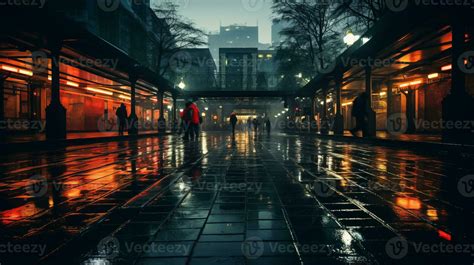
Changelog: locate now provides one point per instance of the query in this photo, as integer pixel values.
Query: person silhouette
(359, 112)
(233, 122)
(122, 118)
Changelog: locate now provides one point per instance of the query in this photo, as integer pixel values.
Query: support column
(389, 84)
(175, 121)
(313, 123)
(370, 130)
(161, 120)
(133, 118)
(339, 119)
(458, 106)
(2, 96)
(55, 112)
(324, 118)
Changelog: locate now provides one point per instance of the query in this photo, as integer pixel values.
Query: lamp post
(350, 38)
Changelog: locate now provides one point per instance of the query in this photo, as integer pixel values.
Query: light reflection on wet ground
(264, 200)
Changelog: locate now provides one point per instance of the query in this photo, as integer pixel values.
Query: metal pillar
(55, 112)
(370, 129)
(389, 84)
(458, 106)
(133, 118)
(339, 119)
(324, 118)
(2, 96)
(161, 120)
(175, 122)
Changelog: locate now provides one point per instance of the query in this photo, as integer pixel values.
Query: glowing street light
(350, 38)
(182, 85)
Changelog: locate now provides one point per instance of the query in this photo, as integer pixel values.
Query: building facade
(238, 69)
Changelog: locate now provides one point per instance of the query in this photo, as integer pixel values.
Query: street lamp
(182, 85)
(350, 38)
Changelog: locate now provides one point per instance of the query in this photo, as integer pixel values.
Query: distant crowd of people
(191, 119)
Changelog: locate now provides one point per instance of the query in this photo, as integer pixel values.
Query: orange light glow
(433, 75)
(100, 91)
(125, 97)
(447, 67)
(409, 203)
(417, 82)
(444, 235)
(9, 68)
(73, 193)
(70, 83)
(404, 85)
(17, 70)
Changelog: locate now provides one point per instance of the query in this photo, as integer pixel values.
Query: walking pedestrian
(233, 122)
(268, 126)
(255, 125)
(192, 120)
(122, 118)
(359, 112)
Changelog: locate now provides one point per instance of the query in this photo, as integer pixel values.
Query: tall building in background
(201, 74)
(234, 36)
(238, 68)
(267, 67)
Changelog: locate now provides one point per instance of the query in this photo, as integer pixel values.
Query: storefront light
(16, 70)
(433, 76)
(417, 82)
(125, 97)
(9, 68)
(447, 67)
(73, 84)
(100, 91)
(25, 72)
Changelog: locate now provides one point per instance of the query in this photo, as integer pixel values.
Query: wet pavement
(253, 200)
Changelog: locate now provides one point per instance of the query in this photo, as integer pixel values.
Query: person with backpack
(192, 120)
(122, 118)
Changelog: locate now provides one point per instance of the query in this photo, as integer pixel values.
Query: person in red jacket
(191, 121)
